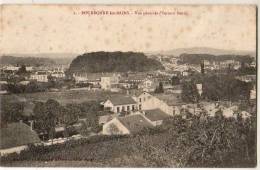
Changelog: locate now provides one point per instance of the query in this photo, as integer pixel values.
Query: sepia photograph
(140, 86)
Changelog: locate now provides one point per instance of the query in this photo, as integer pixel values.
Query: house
(177, 89)
(245, 115)
(29, 68)
(155, 116)
(229, 112)
(58, 74)
(25, 82)
(210, 108)
(247, 78)
(11, 68)
(148, 85)
(253, 64)
(130, 124)
(168, 103)
(253, 93)
(109, 82)
(40, 76)
(106, 118)
(16, 137)
(80, 77)
(119, 104)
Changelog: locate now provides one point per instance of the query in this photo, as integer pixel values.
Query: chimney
(31, 124)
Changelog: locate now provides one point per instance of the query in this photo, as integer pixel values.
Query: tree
(46, 116)
(22, 70)
(175, 80)
(159, 89)
(190, 93)
(11, 112)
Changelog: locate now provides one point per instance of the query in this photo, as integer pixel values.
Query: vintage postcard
(128, 86)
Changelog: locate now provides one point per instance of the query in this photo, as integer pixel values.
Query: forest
(113, 62)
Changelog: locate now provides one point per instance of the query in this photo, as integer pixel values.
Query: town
(46, 106)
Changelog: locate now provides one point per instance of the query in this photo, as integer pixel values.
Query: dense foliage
(194, 142)
(51, 114)
(225, 88)
(10, 112)
(113, 62)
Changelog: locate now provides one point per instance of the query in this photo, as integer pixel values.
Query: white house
(109, 82)
(148, 85)
(58, 74)
(126, 125)
(253, 93)
(40, 76)
(118, 104)
(80, 77)
(168, 103)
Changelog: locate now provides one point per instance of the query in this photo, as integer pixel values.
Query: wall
(114, 122)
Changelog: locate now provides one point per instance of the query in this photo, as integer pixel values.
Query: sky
(64, 29)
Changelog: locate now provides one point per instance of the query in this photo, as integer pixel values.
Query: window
(118, 109)
(133, 107)
(140, 107)
(123, 108)
(128, 108)
(140, 100)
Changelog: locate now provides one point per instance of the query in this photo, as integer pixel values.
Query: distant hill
(197, 58)
(28, 61)
(43, 59)
(205, 50)
(113, 62)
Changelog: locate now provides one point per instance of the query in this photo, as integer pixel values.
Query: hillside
(42, 59)
(205, 50)
(113, 62)
(197, 58)
(28, 61)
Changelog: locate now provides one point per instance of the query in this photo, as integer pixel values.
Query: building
(80, 77)
(176, 89)
(253, 93)
(155, 116)
(11, 68)
(16, 137)
(169, 103)
(106, 118)
(247, 78)
(119, 104)
(58, 74)
(40, 76)
(109, 82)
(148, 85)
(130, 124)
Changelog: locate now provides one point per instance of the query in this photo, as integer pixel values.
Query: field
(63, 97)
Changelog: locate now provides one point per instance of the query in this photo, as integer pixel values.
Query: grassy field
(63, 97)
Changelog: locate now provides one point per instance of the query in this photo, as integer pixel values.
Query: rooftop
(122, 100)
(17, 134)
(135, 123)
(156, 114)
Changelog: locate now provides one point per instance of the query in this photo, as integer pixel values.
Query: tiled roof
(135, 123)
(122, 100)
(156, 114)
(17, 134)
